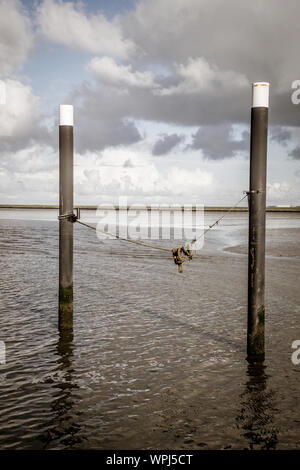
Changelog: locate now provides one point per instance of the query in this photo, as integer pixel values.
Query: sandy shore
(279, 242)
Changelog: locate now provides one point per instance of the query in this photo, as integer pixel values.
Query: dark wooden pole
(65, 223)
(257, 222)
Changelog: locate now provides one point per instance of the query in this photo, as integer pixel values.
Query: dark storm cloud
(99, 109)
(236, 38)
(249, 38)
(217, 143)
(166, 143)
(103, 114)
(37, 134)
(96, 135)
(254, 38)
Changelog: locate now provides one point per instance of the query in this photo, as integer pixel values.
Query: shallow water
(156, 359)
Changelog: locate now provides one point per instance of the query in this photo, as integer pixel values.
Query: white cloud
(278, 191)
(21, 119)
(198, 76)
(16, 37)
(29, 175)
(21, 110)
(34, 159)
(109, 176)
(106, 70)
(66, 23)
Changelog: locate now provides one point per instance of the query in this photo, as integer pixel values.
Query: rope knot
(69, 216)
(178, 254)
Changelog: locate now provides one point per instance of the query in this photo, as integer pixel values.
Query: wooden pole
(257, 222)
(65, 223)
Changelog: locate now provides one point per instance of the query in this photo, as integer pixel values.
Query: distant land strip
(153, 207)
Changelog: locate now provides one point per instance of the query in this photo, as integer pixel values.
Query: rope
(155, 247)
(177, 253)
(187, 246)
(177, 256)
(69, 215)
(186, 249)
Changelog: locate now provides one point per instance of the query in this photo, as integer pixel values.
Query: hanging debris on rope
(178, 259)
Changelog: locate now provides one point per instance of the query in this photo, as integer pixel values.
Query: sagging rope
(187, 250)
(188, 245)
(180, 255)
(155, 247)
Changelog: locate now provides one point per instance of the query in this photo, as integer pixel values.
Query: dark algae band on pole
(257, 222)
(65, 223)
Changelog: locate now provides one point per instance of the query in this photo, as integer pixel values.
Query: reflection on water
(63, 429)
(256, 419)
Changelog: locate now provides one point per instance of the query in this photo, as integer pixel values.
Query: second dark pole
(257, 222)
(65, 222)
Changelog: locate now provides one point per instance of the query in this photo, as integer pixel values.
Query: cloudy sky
(161, 92)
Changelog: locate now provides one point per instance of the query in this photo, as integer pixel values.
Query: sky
(161, 91)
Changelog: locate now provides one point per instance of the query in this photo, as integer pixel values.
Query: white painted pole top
(260, 95)
(66, 115)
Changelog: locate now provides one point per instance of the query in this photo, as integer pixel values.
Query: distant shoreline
(140, 207)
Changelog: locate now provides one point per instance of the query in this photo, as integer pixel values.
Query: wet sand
(279, 242)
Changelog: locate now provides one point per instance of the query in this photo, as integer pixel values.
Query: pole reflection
(256, 418)
(63, 431)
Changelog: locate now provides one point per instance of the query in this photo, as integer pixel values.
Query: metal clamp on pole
(71, 216)
(253, 191)
(77, 209)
